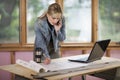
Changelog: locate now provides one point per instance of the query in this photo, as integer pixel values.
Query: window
(109, 20)
(78, 20)
(34, 10)
(9, 21)
(86, 21)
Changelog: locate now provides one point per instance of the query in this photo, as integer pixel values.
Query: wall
(5, 60)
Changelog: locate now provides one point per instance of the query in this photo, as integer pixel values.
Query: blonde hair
(52, 9)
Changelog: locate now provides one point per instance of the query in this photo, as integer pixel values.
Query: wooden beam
(60, 2)
(12, 54)
(23, 26)
(108, 53)
(94, 20)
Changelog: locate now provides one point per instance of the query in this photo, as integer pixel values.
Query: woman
(49, 30)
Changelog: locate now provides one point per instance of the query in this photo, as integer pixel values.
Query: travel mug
(38, 55)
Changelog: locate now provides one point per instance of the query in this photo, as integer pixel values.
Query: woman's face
(53, 19)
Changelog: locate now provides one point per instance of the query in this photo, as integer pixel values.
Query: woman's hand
(47, 61)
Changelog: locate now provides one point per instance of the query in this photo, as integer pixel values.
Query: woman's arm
(40, 41)
(60, 30)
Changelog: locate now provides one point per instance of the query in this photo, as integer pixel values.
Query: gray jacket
(43, 35)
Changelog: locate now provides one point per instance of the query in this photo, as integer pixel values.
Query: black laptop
(96, 53)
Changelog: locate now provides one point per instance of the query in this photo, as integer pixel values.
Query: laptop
(96, 53)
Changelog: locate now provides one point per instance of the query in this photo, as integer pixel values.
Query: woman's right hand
(58, 26)
(47, 61)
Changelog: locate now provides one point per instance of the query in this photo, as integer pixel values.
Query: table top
(66, 68)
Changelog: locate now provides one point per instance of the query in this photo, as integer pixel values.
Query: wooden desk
(99, 66)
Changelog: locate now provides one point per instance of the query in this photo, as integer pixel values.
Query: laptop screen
(96, 53)
(98, 50)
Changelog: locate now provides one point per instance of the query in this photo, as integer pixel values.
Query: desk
(105, 64)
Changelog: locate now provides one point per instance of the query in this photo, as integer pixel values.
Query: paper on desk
(53, 66)
(59, 65)
(32, 65)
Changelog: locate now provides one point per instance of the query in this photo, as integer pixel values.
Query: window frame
(24, 46)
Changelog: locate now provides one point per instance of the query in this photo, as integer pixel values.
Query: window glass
(9, 21)
(109, 20)
(78, 20)
(34, 10)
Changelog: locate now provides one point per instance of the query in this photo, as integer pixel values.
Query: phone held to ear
(58, 22)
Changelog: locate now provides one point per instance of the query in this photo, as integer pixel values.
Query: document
(32, 65)
(53, 66)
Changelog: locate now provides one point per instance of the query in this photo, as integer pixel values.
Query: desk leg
(69, 78)
(117, 77)
(17, 77)
(107, 75)
(83, 77)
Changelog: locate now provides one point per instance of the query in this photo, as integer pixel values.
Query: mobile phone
(58, 22)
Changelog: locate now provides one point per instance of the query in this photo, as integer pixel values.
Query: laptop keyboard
(83, 58)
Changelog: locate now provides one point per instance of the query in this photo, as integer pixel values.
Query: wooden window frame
(24, 46)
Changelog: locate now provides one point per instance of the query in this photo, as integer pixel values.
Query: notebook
(96, 53)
